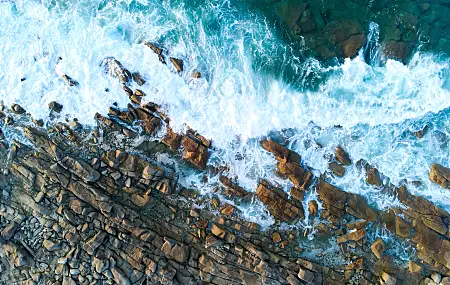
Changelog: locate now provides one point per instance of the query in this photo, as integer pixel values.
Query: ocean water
(255, 84)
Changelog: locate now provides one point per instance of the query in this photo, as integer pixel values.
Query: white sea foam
(233, 104)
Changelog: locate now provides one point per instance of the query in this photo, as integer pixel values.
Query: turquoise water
(256, 82)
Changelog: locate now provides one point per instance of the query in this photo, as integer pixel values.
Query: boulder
(177, 63)
(342, 156)
(440, 175)
(378, 247)
(195, 152)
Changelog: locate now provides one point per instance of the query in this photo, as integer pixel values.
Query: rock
(440, 175)
(352, 236)
(313, 207)
(373, 177)
(436, 277)
(137, 77)
(172, 140)
(388, 279)
(9, 231)
(177, 63)
(100, 265)
(277, 203)
(232, 189)
(68, 281)
(280, 152)
(180, 253)
(396, 50)
(114, 68)
(119, 277)
(342, 156)
(378, 247)
(80, 169)
(336, 168)
(55, 106)
(195, 152)
(17, 109)
(305, 275)
(51, 245)
(196, 75)
(69, 80)
(351, 46)
(402, 228)
(276, 237)
(93, 243)
(421, 133)
(415, 268)
(445, 281)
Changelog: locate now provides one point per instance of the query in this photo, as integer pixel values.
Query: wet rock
(276, 237)
(313, 208)
(196, 75)
(172, 140)
(137, 77)
(396, 50)
(336, 168)
(342, 156)
(69, 80)
(388, 279)
(378, 247)
(177, 63)
(232, 188)
(277, 203)
(55, 106)
(373, 177)
(440, 175)
(421, 133)
(115, 68)
(352, 236)
(402, 228)
(195, 152)
(436, 277)
(17, 109)
(305, 275)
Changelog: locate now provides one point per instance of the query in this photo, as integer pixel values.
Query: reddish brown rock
(232, 189)
(195, 152)
(172, 139)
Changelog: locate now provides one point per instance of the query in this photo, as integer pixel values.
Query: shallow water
(255, 84)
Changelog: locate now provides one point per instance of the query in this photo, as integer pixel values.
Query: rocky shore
(339, 28)
(85, 205)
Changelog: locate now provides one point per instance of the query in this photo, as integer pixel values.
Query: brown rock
(342, 156)
(440, 175)
(172, 140)
(415, 268)
(396, 50)
(195, 152)
(402, 228)
(305, 275)
(336, 168)
(276, 237)
(313, 208)
(277, 203)
(177, 63)
(180, 253)
(351, 46)
(373, 177)
(378, 247)
(353, 236)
